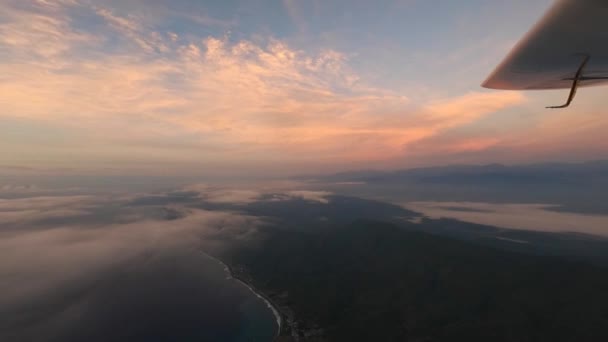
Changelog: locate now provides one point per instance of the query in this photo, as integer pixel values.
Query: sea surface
(168, 295)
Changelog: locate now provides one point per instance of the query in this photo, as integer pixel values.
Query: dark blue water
(174, 295)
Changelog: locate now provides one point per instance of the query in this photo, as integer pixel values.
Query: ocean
(164, 295)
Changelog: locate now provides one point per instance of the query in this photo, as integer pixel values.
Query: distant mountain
(576, 187)
(545, 173)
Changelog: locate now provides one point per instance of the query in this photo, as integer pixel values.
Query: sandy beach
(251, 288)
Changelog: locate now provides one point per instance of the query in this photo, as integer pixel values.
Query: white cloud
(45, 202)
(534, 217)
(313, 196)
(213, 194)
(17, 188)
(37, 263)
(227, 195)
(23, 211)
(129, 89)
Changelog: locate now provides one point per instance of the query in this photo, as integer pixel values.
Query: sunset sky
(277, 87)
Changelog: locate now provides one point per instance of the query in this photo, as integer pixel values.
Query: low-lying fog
(127, 267)
(74, 265)
(536, 217)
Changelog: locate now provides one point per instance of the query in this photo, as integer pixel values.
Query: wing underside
(573, 33)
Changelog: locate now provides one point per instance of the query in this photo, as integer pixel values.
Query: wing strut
(575, 82)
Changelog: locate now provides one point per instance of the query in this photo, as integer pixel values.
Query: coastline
(257, 293)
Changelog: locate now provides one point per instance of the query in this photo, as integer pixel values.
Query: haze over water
(97, 268)
(534, 217)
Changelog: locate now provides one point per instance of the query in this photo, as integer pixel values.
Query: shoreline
(257, 293)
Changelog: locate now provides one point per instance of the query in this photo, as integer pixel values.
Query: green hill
(373, 281)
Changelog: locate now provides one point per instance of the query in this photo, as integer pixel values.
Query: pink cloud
(237, 101)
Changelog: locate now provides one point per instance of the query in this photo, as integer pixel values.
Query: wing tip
(487, 84)
(492, 83)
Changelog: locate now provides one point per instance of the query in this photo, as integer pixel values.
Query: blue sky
(274, 87)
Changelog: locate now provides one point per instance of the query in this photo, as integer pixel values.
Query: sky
(261, 87)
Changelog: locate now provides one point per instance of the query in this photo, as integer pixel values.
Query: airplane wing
(568, 48)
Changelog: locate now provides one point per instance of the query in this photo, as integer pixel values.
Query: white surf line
(274, 310)
(512, 240)
(276, 313)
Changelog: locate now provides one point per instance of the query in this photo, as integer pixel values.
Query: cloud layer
(104, 85)
(535, 217)
(63, 256)
(56, 245)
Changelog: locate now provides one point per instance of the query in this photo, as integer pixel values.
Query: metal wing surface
(567, 48)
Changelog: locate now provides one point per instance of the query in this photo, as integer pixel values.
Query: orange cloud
(239, 100)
